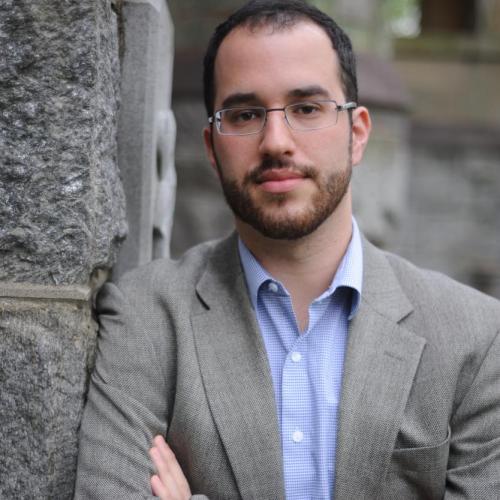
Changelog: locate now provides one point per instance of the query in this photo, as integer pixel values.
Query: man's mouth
(279, 180)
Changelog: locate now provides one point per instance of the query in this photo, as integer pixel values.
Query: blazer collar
(236, 375)
(381, 361)
(381, 287)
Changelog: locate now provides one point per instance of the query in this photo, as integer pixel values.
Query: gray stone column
(61, 219)
(146, 132)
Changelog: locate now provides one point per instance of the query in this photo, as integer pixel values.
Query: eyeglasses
(313, 115)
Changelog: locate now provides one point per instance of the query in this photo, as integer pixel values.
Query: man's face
(284, 183)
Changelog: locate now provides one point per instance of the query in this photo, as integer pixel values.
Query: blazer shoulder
(162, 275)
(438, 294)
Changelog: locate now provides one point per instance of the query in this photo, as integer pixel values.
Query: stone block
(46, 348)
(146, 132)
(61, 201)
(428, 64)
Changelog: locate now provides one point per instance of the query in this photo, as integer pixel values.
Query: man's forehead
(242, 57)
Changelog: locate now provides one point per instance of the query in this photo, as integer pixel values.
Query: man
(293, 359)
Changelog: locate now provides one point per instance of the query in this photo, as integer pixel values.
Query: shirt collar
(349, 273)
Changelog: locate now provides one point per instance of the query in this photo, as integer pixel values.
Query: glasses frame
(216, 117)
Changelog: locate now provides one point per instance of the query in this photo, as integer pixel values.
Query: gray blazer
(180, 354)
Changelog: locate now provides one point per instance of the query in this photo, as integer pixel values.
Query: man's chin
(281, 228)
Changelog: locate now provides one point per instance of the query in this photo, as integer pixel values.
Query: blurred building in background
(429, 187)
(451, 71)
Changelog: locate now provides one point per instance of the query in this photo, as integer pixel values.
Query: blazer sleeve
(128, 399)
(474, 460)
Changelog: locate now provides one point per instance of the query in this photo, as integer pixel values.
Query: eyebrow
(245, 98)
(311, 90)
(238, 99)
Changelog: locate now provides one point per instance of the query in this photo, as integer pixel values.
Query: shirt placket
(295, 410)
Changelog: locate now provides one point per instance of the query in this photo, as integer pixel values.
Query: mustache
(275, 164)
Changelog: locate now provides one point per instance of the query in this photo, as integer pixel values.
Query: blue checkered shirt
(307, 367)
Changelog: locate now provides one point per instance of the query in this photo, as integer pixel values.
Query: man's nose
(277, 137)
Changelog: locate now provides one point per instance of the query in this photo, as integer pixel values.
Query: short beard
(331, 191)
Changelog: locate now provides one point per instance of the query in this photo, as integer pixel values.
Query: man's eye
(307, 109)
(243, 115)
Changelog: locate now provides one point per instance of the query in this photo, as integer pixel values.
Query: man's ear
(209, 147)
(361, 128)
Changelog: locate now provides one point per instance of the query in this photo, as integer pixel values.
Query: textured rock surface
(61, 218)
(61, 204)
(45, 348)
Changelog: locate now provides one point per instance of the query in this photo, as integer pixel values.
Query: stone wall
(452, 222)
(61, 220)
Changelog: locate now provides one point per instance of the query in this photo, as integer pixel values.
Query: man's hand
(169, 483)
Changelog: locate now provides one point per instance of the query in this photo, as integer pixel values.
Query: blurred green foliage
(397, 9)
(403, 16)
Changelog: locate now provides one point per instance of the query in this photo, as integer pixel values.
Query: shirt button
(298, 436)
(272, 287)
(296, 356)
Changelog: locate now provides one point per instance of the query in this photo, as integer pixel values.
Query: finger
(158, 489)
(168, 484)
(172, 465)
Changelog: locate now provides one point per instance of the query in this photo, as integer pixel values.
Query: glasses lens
(311, 115)
(241, 121)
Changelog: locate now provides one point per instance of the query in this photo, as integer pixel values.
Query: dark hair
(281, 14)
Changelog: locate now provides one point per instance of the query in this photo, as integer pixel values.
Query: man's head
(281, 14)
(283, 134)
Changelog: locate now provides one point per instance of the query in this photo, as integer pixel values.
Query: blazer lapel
(381, 361)
(236, 376)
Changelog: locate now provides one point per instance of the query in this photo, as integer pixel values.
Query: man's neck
(307, 266)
